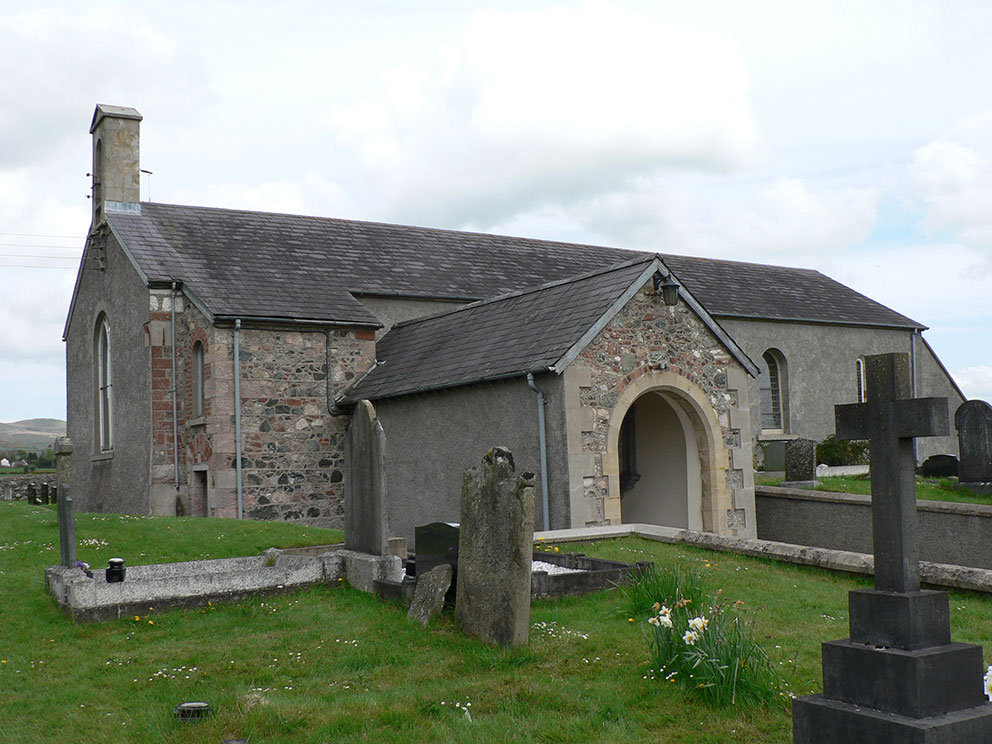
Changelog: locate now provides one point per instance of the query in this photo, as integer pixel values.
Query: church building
(214, 358)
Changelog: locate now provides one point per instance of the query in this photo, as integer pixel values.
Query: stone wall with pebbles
(648, 347)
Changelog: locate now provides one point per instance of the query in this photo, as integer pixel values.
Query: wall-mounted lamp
(669, 288)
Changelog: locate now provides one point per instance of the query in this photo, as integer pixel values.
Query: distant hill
(33, 434)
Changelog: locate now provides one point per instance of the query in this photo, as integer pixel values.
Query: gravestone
(800, 461)
(973, 420)
(67, 529)
(495, 551)
(365, 529)
(437, 545)
(428, 597)
(898, 678)
(939, 466)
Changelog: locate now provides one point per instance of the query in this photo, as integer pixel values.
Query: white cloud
(532, 110)
(976, 382)
(791, 216)
(954, 180)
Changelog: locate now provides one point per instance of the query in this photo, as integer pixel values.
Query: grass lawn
(929, 489)
(336, 665)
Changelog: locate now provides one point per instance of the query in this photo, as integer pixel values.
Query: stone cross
(890, 420)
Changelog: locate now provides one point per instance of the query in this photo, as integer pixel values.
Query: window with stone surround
(104, 387)
(199, 398)
(772, 391)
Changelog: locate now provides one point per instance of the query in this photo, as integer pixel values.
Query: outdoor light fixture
(669, 287)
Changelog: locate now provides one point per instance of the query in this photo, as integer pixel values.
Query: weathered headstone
(67, 529)
(495, 551)
(973, 420)
(428, 597)
(365, 529)
(437, 544)
(939, 466)
(898, 678)
(800, 461)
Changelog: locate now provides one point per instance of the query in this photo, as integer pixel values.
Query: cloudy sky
(850, 137)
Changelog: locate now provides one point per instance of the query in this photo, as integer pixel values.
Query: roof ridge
(528, 290)
(401, 226)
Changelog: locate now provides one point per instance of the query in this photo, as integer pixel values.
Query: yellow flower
(151, 622)
(556, 548)
(630, 619)
(137, 618)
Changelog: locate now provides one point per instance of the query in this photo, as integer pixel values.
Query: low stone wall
(15, 487)
(938, 575)
(954, 533)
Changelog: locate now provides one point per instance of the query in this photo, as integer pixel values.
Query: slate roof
(262, 265)
(493, 339)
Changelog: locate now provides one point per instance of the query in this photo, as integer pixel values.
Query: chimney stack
(116, 184)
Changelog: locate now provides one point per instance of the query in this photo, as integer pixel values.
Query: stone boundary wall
(949, 532)
(14, 487)
(939, 575)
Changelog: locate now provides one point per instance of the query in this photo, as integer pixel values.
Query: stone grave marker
(365, 527)
(973, 420)
(495, 551)
(428, 597)
(898, 678)
(939, 466)
(800, 461)
(67, 529)
(437, 545)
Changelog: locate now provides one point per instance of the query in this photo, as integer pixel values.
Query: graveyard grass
(333, 664)
(927, 489)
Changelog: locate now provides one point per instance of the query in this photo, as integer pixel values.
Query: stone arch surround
(714, 457)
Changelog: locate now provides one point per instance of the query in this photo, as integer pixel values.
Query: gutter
(543, 444)
(237, 415)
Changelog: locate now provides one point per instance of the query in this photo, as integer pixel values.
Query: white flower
(654, 621)
(988, 683)
(690, 637)
(665, 620)
(699, 624)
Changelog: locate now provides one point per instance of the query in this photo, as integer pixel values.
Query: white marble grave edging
(932, 574)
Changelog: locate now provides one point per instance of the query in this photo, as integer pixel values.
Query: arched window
(199, 398)
(772, 391)
(859, 367)
(104, 387)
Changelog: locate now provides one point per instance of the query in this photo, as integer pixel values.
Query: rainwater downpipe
(237, 413)
(175, 386)
(912, 363)
(543, 444)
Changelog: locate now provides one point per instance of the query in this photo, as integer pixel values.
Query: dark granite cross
(890, 420)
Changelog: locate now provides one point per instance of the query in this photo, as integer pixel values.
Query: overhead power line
(33, 235)
(38, 245)
(29, 255)
(24, 266)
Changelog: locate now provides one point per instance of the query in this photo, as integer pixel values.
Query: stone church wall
(292, 447)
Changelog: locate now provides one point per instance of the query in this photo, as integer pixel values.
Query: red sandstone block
(365, 335)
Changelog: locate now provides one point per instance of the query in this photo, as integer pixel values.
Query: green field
(331, 664)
